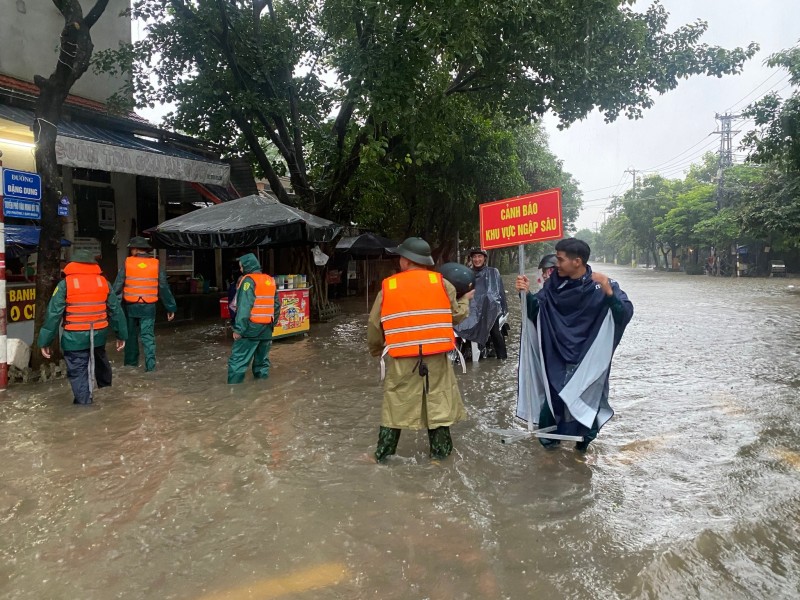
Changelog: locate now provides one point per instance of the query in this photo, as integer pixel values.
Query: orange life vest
(416, 312)
(263, 311)
(87, 294)
(141, 280)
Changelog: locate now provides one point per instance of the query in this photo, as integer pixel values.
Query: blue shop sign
(22, 185)
(22, 209)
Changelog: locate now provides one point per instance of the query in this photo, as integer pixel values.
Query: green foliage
(678, 226)
(431, 109)
(776, 138)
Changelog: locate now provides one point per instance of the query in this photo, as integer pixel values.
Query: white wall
(29, 34)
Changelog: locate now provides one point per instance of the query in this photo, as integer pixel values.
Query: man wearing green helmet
(85, 305)
(412, 322)
(141, 283)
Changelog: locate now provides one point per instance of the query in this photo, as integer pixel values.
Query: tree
(773, 214)
(253, 72)
(644, 206)
(74, 56)
(678, 227)
(776, 137)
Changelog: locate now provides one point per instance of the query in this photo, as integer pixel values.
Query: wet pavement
(176, 485)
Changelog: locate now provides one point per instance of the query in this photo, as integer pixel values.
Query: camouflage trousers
(439, 438)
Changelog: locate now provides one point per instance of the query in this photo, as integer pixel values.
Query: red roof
(19, 85)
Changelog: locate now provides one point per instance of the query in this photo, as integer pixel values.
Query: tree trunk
(75, 53)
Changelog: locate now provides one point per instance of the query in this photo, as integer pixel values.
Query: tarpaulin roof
(243, 223)
(366, 245)
(22, 240)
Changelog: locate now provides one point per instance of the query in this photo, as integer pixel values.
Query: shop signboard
(21, 302)
(295, 315)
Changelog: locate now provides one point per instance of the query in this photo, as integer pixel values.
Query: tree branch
(263, 160)
(95, 13)
(460, 82)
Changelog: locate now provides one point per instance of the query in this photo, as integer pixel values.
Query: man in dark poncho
(577, 320)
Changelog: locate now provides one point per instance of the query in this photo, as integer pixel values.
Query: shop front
(117, 175)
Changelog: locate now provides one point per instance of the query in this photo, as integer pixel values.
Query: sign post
(21, 197)
(3, 327)
(515, 222)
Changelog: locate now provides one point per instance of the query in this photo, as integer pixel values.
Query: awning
(86, 146)
(243, 223)
(22, 240)
(366, 245)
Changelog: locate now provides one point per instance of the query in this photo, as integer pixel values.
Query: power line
(686, 160)
(777, 71)
(666, 162)
(608, 187)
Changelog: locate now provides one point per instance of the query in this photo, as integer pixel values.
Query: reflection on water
(176, 485)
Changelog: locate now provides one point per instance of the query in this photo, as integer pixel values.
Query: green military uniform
(406, 405)
(142, 316)
(76, 345)
(256, 338)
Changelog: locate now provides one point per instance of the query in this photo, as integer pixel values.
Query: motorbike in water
(472, 351)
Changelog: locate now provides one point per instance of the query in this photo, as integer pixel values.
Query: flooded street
(175, 485)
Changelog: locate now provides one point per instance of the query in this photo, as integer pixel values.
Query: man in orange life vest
(412, 321)
(86, 303)
(257, 309)
(141, 283)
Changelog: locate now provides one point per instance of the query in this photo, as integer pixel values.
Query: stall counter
(295, 315)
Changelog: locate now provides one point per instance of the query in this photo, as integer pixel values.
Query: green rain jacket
(143, 310)
(245, 298)
(79, 340)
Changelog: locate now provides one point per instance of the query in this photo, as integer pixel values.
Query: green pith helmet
(83, 256)
(140, 243)
(461, 276)
(416, 250)
(548, 261)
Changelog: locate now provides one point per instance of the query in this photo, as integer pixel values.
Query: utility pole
(725, 154)
(632, 171)
(725, 160)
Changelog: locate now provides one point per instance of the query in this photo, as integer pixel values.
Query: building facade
(120, 174)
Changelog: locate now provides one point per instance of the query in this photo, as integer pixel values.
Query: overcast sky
(597, 154)
(675, 132)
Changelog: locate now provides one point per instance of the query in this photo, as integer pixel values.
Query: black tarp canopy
(256, 220)
(366, 245)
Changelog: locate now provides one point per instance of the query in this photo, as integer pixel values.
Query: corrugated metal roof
(101, 135)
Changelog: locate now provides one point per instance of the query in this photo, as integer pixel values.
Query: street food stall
(368, 248)
(258, 222)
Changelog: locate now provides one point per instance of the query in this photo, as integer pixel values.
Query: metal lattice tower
(726, 132)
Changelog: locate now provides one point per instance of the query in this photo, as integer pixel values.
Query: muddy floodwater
(175, 485)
